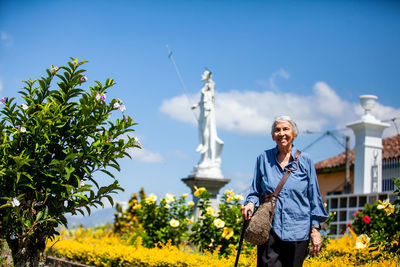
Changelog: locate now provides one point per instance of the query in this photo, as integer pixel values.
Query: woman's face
(283, 133)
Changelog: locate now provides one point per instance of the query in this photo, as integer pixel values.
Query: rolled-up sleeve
(255, 189)
(318, 212)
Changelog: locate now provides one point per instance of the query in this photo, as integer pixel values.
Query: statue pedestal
(211, 171)
(213, 185)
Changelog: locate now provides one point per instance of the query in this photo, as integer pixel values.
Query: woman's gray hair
(285, 119)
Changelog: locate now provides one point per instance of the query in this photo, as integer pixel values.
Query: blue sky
(308, 59)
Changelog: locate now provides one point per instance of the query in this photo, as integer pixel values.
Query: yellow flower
(389, 209)
(169, 198)
(394, 242)
(229, 192)
(174, 223)
(227, 233)
(362, 241)
(239, 197)
(190, 221)
(325, 205)
(137, 206)
(219, 223)
(191, 203)
(151, 198)
(198, 191)
(229, 199)
(210, 210)
(185, 195)
(383, 205)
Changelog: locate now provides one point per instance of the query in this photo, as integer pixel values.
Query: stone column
(213, 185)
(368, 149)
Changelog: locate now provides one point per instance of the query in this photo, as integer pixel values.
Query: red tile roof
(391, 149)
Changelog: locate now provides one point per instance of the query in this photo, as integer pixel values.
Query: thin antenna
(395, 125)
(315, 141)
(180, 78)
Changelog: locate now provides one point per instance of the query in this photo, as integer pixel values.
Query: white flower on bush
(117, 105)
(239, 197)
(151, 198)
(362, 241)
(169, 198)
(122, 108)
(174, 223)
(82, 183)
(15, 202)
(24, 106)
(23, 129)
(219, 223)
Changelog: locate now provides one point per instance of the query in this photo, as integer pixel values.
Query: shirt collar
(275, 150)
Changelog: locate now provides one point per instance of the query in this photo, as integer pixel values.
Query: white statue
(210, 146)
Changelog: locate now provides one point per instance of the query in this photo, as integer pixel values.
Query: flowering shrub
(156, 222)
(217, 229)
(380, 221)
(352, 250)
(100, 247)
(51, 146)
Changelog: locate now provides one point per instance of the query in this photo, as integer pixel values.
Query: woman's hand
(315, 240)
(245, 209)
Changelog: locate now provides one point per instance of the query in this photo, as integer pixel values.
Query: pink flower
(348, 224)
(356, 213)
(84, 78)
(367, 219)
(17, 126)
(102, 97)
(126, 119)
(3, 100)
(54, 69)
(117, 105)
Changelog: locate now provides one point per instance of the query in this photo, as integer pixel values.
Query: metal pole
(347, 186)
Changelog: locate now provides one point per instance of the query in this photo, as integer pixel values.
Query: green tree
(51, 146)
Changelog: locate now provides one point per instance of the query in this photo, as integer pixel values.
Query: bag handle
(284, 178)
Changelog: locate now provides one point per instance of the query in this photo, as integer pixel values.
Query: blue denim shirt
(299, 204)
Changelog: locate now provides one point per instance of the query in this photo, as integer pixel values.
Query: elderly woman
(299, 209)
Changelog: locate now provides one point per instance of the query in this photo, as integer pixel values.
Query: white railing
(346, 205)
(390, 169)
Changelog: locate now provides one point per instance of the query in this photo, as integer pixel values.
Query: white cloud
(252, 113)
(143, 154)
(280, 73)
(271, 84)
(146, 156)
(5, 38)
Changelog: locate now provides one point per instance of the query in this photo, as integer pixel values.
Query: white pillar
(368, 149)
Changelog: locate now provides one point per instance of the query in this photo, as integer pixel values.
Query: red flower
(356, 213)
(367, 219)
(348, 224)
